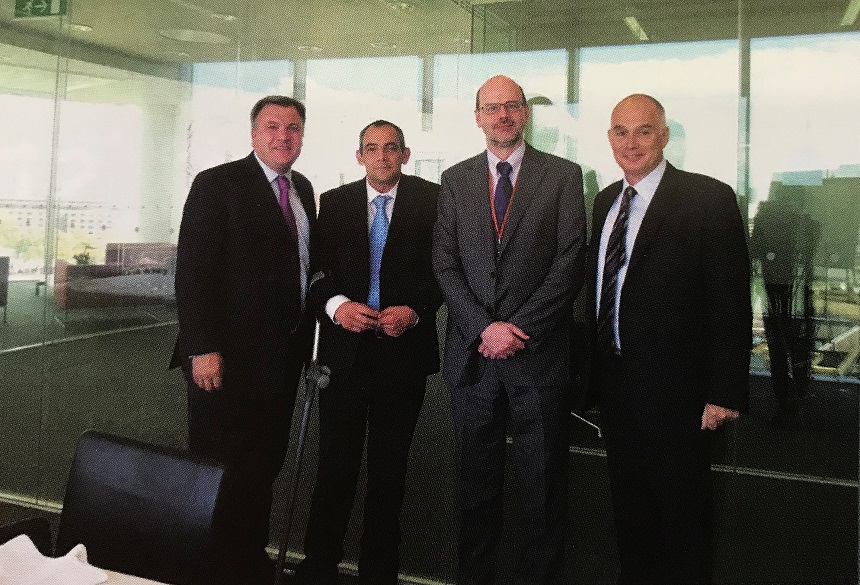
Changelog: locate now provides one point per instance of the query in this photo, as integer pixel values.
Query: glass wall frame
(105, 140)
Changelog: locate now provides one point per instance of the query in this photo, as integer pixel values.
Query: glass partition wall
(110, 111)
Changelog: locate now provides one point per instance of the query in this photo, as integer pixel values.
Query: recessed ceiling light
(399, 5)
(309, 48)
(383, 45)
(851, 12)
(186, 35)
(81, 27)
(224, 17)
(635, 28)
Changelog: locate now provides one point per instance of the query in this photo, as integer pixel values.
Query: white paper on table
(21, 563)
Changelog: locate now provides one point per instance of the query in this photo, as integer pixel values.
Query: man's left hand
(714, 416)
(395, 320)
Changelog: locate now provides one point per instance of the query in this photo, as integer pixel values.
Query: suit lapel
(601, 209)
(661, 206)
(528, 180)
(403, 208)
(355, 220)
(306, 196)
(261, 196)
(476, 187)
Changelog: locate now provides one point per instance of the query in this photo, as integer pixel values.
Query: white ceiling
(299, 29)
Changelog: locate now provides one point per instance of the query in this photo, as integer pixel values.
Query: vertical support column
(743, 114)
(573, 80)
(161, 181)
(427, 91)
(300, 79)
(51, 205)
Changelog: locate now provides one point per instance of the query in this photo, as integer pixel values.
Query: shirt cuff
(332, 305)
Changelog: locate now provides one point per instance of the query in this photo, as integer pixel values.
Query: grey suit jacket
(529, 279)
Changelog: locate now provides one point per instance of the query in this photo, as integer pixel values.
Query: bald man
(671, 320)
(508, 253)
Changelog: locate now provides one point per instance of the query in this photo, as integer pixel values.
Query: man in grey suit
(508, 252)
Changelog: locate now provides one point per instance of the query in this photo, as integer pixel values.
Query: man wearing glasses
(508, 252)
(374, 293)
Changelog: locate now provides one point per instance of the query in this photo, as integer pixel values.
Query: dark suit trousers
(661, 489)
(250, 437)
(387, 408)
(537, 420)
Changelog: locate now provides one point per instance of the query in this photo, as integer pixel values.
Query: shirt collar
(272, 174)
(516, 159)
(372, 193)
(649, 183)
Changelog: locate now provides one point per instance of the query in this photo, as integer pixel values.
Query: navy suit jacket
(685, 317)
(237, 275)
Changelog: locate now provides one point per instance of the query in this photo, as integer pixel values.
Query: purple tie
(284, 200)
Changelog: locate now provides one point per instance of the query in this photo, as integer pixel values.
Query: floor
(786, 496)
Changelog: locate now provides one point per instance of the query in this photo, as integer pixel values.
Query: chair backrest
(141, 509)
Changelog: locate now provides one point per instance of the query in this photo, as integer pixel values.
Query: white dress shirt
(336, 301)
(302, 224)
(638, 206)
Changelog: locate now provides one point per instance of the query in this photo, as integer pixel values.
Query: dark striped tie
(616, 256)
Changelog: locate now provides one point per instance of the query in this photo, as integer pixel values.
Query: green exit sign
(31, 8)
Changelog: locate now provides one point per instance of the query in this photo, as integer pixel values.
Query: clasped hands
(358, 317)
(501, 340)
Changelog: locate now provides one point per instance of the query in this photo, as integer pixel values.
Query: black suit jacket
(685, 315)
(340, 262)
(237, 275)
(530, 280)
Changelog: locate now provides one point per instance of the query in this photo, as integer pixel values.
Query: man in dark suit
(783, 241)
(241, 274)
(376, 297)
(508, 253)
(672, 326)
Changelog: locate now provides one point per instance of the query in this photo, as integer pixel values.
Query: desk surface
(123, 579)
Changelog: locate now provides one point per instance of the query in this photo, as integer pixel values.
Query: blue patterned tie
(378, 233)
(616, 257)
(503, 192)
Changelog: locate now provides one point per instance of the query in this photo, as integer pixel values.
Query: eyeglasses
(509, 107)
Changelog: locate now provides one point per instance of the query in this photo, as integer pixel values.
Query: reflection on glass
(96, 164)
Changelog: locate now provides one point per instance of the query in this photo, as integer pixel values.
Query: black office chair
(141, 509)
(37, 528)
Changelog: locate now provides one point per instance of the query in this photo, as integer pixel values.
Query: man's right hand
(206, 370)
(356, 317)
(501, 340)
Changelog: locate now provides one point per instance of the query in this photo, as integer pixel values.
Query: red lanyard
(500, 229)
